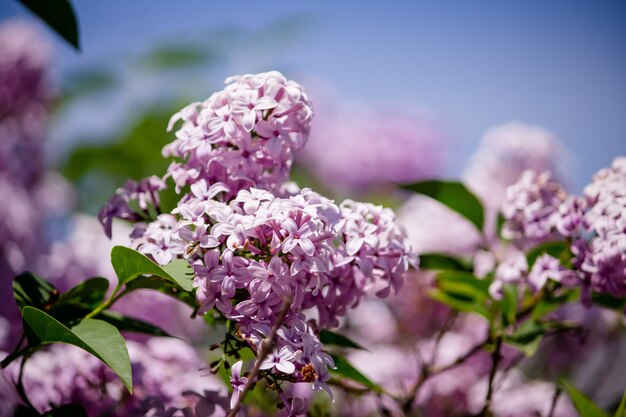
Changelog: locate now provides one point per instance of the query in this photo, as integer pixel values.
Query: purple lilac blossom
(505, 153)
(25, 99)
(603, 260)
(251, 243)
(372, 147)
(531, 209)
(167, 377)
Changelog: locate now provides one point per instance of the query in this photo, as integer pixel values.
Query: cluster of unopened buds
(593, 226)
(256, 242)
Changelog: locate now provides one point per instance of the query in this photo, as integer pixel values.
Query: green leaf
(31, 290)
(89, 293)
(95, 336)
(479, 286)
(582, 403)
(347, 370)
(548, 305)
(176, 56)
(526, 338)
(438, 261)
(59, 15)
(328, 337)
(610, 302)
(460, 302)
(67, 410)
(129, 324)
(130, 264)
(455, 196)
(166, 287)
(509, 304)
(86, 82)
(621, 409)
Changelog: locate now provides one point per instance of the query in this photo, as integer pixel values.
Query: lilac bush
(476, 325)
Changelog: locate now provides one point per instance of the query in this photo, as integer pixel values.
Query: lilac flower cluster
(531, 208)
(254, 241)
(258, 250)
(538, 210)
(167, 378)
(243, 136)
(25, 98)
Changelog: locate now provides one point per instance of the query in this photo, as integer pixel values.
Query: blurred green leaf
(95, 336)
(438, 261)
(582, 403)
(509, 304)
(177, 56)
(548, 305)
(59, 15)
(328, 337)
(87, 82)
(460, 302)
(526, 338)
(455, 196)
(347, 370)
(98, 169)
(610, 302)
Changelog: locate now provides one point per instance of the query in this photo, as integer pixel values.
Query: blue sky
(473, 64)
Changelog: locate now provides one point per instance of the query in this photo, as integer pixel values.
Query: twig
(555, 399)
(265, 348)
(494, 367)
(20, 385)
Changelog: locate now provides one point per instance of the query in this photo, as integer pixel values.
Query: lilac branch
(265, 348)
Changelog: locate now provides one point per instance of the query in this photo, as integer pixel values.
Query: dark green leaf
(526, 338)
(509, 304)
(582, 403)
(608, 301)
(328, 337)
(95, 336)
(453, 195)
(59, 15)
(500, 220)
(129, 324)
(345, 369)
(166, 287)
(89, 293)
(31, 290)
(442, 262)
(67, 410)
(130, 264)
